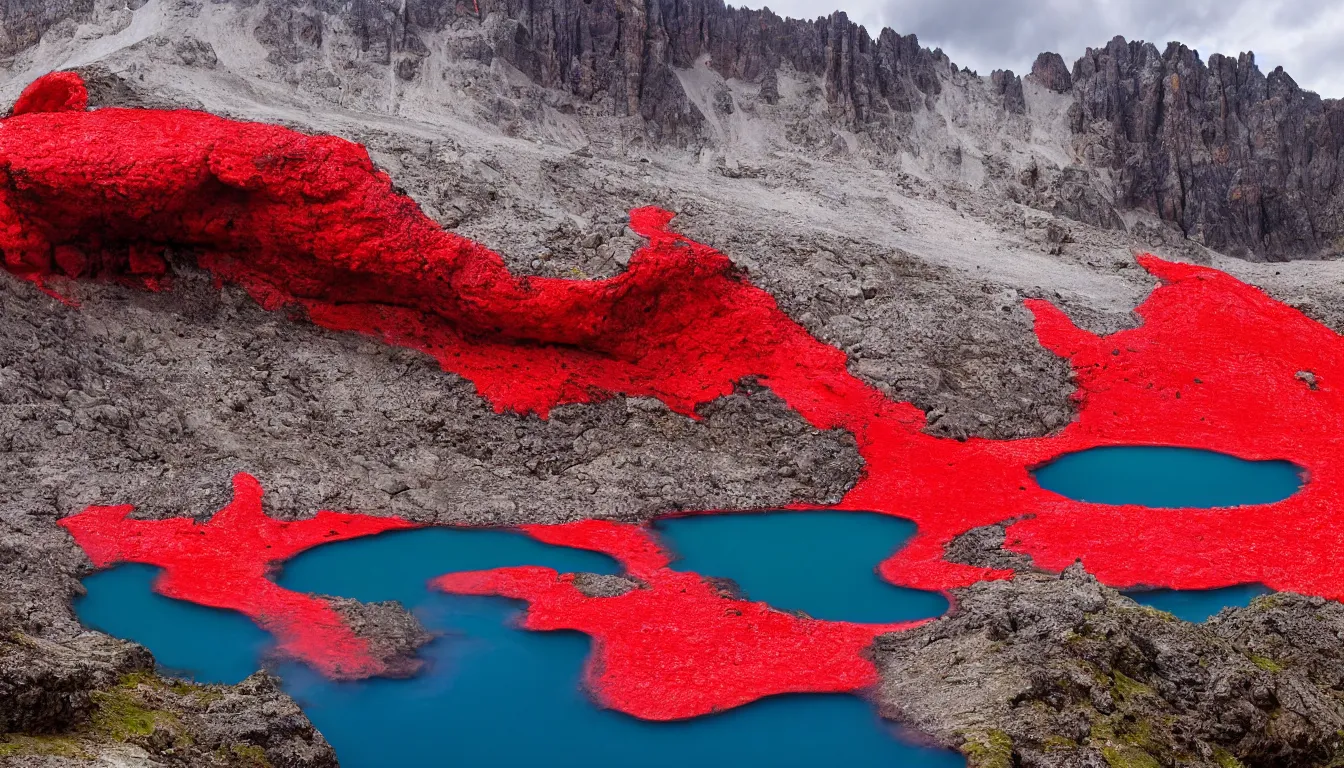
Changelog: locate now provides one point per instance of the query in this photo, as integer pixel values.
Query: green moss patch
(250, 755)
(121, 713)
(992, 749)
(15, 745)
(1058, 744)
(1265, 663)
(1128, 757)
(1129, 688)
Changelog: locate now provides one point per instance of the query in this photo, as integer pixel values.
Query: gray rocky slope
(897, 206)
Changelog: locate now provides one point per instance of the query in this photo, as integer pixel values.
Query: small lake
(1173, 478)
(495, 695)
(821, 563)
(1170, 478)
(1199, 605)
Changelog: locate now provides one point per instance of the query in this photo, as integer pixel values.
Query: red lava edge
(308, 221)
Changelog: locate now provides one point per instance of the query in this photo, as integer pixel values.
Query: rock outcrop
(1009, 87)
(23, 22)
(621, 55)
(98, 701)
(1061, 671)
(1242, 162)
(1050, 71)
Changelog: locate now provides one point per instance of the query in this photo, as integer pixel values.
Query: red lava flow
(223, 564)
(676, 647)
(307, 221)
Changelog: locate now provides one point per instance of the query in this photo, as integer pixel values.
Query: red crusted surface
(677, 648)
(223, 564)
(57, 92)
(308, 221)
(1214, 365)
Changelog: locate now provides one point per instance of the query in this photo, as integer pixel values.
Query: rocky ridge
(1242, 162)
(94, 699)
(1061, 671)
(1234, 160)
(1221, 154)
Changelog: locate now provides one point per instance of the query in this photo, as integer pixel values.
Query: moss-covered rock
(252, 725)
(1128, 757)
(991, 749)
(19, 745)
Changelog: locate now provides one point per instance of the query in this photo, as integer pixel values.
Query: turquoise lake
(494, 695)
(820, 563)
(1198, 605)
(1170, 478)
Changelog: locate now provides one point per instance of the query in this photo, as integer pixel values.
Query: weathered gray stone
(1241, 162)
(1050, 71)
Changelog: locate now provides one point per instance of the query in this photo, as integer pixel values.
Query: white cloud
(1302, 36)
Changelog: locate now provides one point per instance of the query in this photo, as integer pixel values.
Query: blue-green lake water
(1198, 605)
(821, 563)
(1171, 478)
(495, 695)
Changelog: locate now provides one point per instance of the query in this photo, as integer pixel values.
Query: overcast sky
(1305, 37)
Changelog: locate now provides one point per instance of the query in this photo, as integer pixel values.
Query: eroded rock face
(96, 700)
(1235, 160)
(45, 687)
(1009, 87)
(621, 55)
(1242, 162)
(1061, 671)
(1050, 71)
(23, 22)
(625, 51)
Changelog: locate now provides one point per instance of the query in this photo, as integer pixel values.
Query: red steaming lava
(308, 221)
(223, 564)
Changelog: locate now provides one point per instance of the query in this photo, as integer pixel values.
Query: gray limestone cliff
(1243, 162)
(1235, 160)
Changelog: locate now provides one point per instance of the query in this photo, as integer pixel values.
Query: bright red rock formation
(57, 92)
(308, 221)
(677, 648)
(223, 564)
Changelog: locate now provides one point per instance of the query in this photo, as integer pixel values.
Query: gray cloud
(1302, 36)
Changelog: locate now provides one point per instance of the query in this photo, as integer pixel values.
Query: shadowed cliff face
(23, 22)
(624, 52)
(1242, 162)
(1239, 162)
